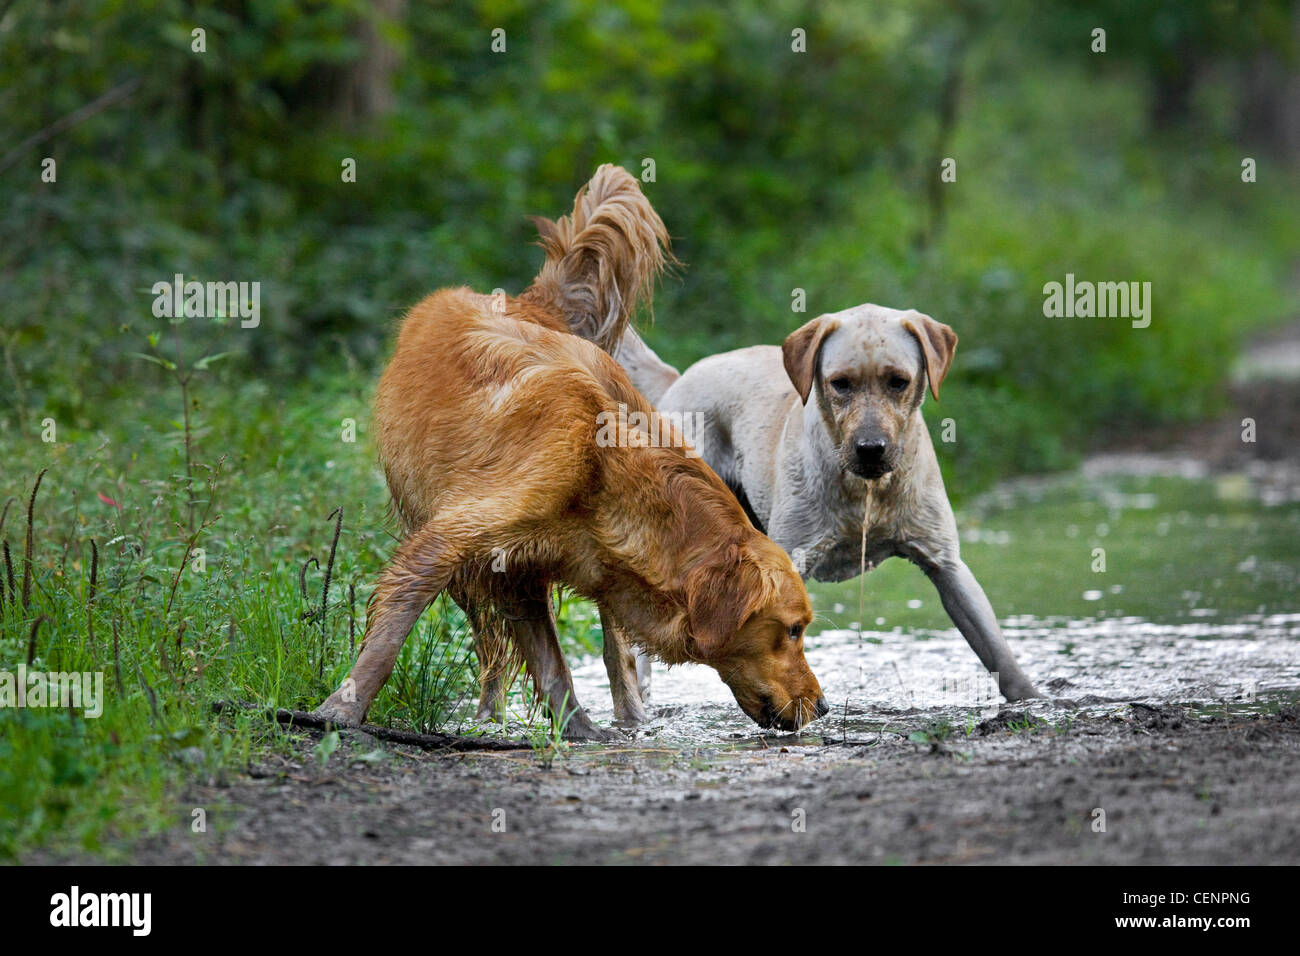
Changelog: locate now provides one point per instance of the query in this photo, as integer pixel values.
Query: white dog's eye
(842, 385)
(898, 383)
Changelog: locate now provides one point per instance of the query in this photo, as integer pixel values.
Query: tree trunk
(1270, 101)
(368, 86)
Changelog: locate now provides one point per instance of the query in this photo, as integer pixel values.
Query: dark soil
(1176, 786)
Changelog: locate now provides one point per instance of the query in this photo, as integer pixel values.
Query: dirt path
(1264, 386)
(1175, 788)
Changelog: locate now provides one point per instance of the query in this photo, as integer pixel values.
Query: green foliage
(433, 676)
(774, 170)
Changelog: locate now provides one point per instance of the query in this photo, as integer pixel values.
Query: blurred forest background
(199, 525)
(774, 170)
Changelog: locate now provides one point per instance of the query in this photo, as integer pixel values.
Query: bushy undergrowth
(182, 592)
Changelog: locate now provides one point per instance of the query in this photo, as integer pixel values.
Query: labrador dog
(823, 442)
(488, 420)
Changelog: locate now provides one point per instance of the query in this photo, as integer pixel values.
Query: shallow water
(1197, 604)
(875, 676)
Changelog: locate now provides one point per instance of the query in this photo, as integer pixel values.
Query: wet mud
(1106, 783)
(1161, 744)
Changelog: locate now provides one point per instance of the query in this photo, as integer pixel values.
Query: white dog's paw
(1019, 690)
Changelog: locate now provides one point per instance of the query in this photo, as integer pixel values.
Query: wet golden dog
(487, 423)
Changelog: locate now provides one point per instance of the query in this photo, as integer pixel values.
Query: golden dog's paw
(587, 732)
(340, 713)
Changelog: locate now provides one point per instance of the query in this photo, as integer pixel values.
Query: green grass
(270, 470)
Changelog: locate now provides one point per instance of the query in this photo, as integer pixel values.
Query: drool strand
(862, 566)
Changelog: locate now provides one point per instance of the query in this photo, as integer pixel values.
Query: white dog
(823, 442)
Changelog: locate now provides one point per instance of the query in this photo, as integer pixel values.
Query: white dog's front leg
(969, 608)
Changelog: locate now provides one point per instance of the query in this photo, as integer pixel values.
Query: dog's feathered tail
(601, 260)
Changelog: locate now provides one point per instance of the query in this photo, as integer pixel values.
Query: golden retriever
(488, 424)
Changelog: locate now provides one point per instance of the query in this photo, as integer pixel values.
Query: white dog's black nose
(870, 453)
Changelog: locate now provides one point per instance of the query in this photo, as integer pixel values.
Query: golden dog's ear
(800, 352)
(721, 593)
(938, 343)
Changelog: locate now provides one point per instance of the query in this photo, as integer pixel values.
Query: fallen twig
(298, 718)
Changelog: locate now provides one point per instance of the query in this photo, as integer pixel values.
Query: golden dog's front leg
(621, 666)
(533, 631)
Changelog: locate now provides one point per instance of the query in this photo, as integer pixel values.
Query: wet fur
(486, 420)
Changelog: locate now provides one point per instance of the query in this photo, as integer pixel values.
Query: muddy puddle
(1113, 586)
(874, 678)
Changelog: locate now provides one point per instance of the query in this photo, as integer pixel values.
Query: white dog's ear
(800, 352)
(938, 343)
